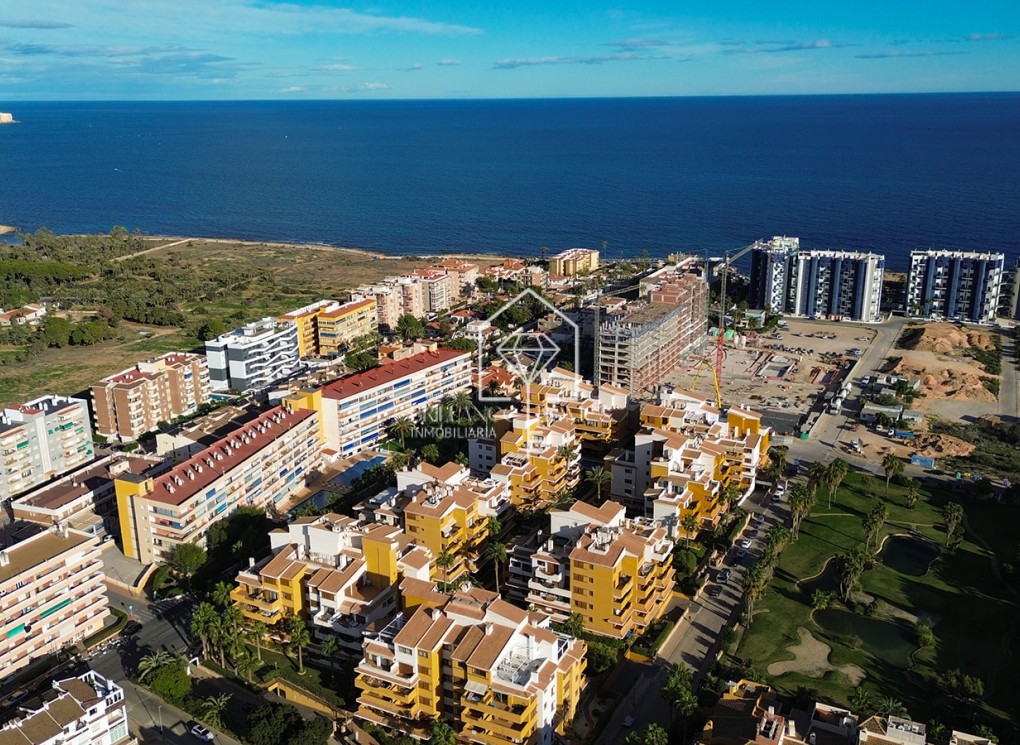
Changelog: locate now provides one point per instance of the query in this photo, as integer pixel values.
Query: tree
(678, 692)
(273, 724)
(401, 428)
(598, 477)
(835, 473)
(430, 452)
(205, 624)
(441, 733)
(486, 284)
(689, 523)
(210, 329)
(329, 648)
(57, 331)
(172, 682)
(444, 561)
(891, 466)
(755, 581)
(257, 631)
(298, 638)
(600, 656)
(497, 553)
(573, 626)
(460, 402)
(410, 327)
(187, 559)
(653, 734)
(213, 708)
(936, 731)
(966, 689)
(862, 702)
(913, 493)
(873, 523)
(731, 494)
(849, 567)
(245, 664)
(777, 461)
(221, 594)
(952, 516)
(777, 537)
(818, 474)
(151, 663)
(801, 500)
(360, 361)
(891, 707)
(461, 459)
(493, 527)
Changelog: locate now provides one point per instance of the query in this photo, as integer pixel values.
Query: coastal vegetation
(878, 591)
(114, 299)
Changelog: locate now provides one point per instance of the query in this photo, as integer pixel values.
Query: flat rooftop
(84, 481)
(39, 549)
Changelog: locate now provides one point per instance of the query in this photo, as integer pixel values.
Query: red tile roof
(390, 372)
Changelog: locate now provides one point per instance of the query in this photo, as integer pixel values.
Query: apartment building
(86, 710)
(822, 284)
(134, 401)
(601, 416)
(616, 573)
(306, 319)
(355, 411)
(747, 707)
(640, 347)
(684, 459)
(448, 513)
(463, 275)
(537, 458)
(496, 672)
(253, 356)
(957, 285)
(84, 499)
(689, 293)
(258, 465)
(574, 261)
(338, 574)
(388, 302)
(53, 595)
(40, 440)
(338, 327)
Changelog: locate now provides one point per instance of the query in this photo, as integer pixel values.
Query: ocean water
(887, 173)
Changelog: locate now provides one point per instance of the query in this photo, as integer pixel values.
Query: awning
(473, 686)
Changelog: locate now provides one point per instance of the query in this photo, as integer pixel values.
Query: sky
(407, 49)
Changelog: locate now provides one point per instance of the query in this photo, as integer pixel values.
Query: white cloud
(448, 62)
(293, 89)
(367, 87)
(335, 67)
(510, 64)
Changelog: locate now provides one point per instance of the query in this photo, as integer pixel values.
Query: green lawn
(972, 609)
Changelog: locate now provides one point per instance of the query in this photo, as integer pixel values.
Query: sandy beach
(7, 229)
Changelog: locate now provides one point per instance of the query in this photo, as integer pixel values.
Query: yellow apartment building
(615, 573)
(600, 416)
(574, 261)
(498, 673)
(340, 326)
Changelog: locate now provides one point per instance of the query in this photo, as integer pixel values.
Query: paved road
(698, 636)
(164, 624)
(1009, 388)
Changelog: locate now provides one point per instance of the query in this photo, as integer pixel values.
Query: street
(698, 636)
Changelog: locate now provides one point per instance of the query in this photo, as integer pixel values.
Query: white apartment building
(253, 356)
(356, 410)
(40, 440)
(958, 285)
(51, 594)
(87, 710)
(257, 465)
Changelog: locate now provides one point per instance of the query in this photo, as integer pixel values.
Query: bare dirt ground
(811, 658)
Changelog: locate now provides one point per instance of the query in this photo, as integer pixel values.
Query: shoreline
(174, 240)
(4, 229)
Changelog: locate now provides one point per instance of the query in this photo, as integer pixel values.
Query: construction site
(783, 375)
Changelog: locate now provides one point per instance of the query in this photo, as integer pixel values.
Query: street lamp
(161, 719)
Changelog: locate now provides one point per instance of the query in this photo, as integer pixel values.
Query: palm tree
(834, 476)
(150, 663)
(777, 461)
(599, 477)
(221, 594)
(862, 702)
(891, 707)
(461, 459)
(493, 527)
(444, 561)
(801, 500)
(567, 452)
(329, 648)
(245, 664)
(892, 466)
(401, 428)
(204, 624)
(873, 523)
(460, 402)
(213, 708)
(497, 552)
(690, 525)
(731, 494)
(850, 566)
(777, 537)
(952, 516)
(913, 493)
(818, 474)
(430, 452)
(755, 581)
(298, 639)
(257, 632)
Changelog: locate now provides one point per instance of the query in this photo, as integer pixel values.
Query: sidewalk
(161, 722)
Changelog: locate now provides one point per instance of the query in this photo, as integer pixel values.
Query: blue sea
(888, 173)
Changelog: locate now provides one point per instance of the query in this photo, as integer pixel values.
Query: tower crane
(728, 257)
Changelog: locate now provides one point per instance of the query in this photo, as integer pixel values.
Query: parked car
(745, 544)
(741, 553)
(202, 733)
(131, 628)
(714, 591)
(724, 576)
(759, 522)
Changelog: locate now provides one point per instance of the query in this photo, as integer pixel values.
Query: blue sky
(261, 49)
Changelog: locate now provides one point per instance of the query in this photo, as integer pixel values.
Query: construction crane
(728, 257)
(704, 364)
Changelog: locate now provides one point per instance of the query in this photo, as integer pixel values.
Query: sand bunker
(811, 658)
